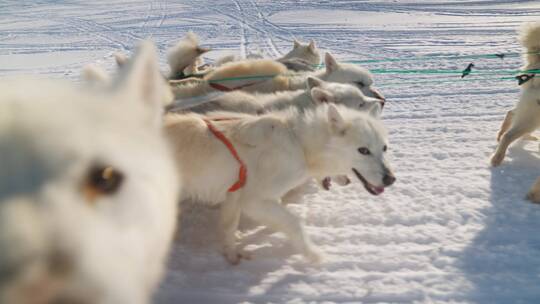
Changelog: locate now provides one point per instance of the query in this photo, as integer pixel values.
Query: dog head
(352, 74)
(184, 54)
(87, 189)
(340, 93)
(359, 144)
(307, 52)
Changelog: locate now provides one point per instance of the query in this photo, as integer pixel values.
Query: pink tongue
(378, 190)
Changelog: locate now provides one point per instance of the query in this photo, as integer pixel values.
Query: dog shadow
(503, 261)
(198, 273)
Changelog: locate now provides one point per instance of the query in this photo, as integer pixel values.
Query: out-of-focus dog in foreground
(87, 189)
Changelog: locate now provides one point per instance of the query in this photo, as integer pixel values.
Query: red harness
(223, 88)
(242, 172)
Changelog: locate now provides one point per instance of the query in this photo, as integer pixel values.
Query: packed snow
(451, 230)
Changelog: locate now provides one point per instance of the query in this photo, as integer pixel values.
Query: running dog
(247, 163)
(266, 76)
(317, 89)
(525, 117)
(88, 189)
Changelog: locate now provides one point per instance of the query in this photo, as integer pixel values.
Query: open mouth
(369, 187)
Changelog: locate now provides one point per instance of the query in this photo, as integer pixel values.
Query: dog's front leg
(274, 215)
(534, 193)
(228, 225)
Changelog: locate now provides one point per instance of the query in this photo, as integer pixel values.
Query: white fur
(281, 150)
(307, 52)
(317, 92)
(185, 54)
(525, 117)
(57, 243)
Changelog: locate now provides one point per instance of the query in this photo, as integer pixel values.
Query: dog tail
(185, 54)
(190, 88)
(529, 37)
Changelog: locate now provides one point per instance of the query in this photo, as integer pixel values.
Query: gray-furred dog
(281, 151)
(88, 189)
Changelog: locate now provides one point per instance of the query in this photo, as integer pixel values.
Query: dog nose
(389, 179)
(377, 95)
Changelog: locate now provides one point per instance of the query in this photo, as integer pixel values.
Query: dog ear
(320, 96)
(296, 44)
(311, 46)
(330, 62)
(375, 110)
(141, 81)
(201, 50)
(337, 123)
(121, 59)
(95, 75)
(313, 82)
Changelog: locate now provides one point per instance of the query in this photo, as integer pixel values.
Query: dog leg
(507, 122)
(228, 224)
(515, 132)
(274, 215)
(534, 193)
(295, 195)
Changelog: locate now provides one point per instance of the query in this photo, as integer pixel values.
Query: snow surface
(451, 230)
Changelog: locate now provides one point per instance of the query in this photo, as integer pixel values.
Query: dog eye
(360, 84)
(385, 148)
(102, 180)
(364, 151)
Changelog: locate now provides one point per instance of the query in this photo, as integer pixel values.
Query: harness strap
(242, 172)
(223, 88)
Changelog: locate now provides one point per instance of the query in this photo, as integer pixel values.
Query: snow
(451, 230)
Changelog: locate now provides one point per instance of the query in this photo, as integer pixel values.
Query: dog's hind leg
(507, 123)
(516, 131)
(228, 225)
(534, 193)
(277, 217)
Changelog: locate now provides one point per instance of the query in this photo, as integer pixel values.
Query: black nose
(388, 179)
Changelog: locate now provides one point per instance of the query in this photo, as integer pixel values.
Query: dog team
(90, 192)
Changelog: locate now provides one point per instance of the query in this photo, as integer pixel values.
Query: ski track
(451, 230)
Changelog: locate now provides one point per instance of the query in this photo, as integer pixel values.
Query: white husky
(525, 117)
(280, 151)
(278, 79)
(305, 53)
(317, 89)
(88, 190)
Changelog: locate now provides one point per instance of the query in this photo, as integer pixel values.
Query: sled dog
(276, 152)
(525, 117)
(88, 189)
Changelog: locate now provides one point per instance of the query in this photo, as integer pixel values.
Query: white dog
(525, 117)
(270, 155)
(306, 52)
(265, 76)
(88, 190)
(243, 102)
(301, 57)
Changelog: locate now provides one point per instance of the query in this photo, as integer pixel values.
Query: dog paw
(326, 183)
(497, 159)
(342, 180)
(313, 255)
(534, 197)
(530, 137)
(234, 257)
